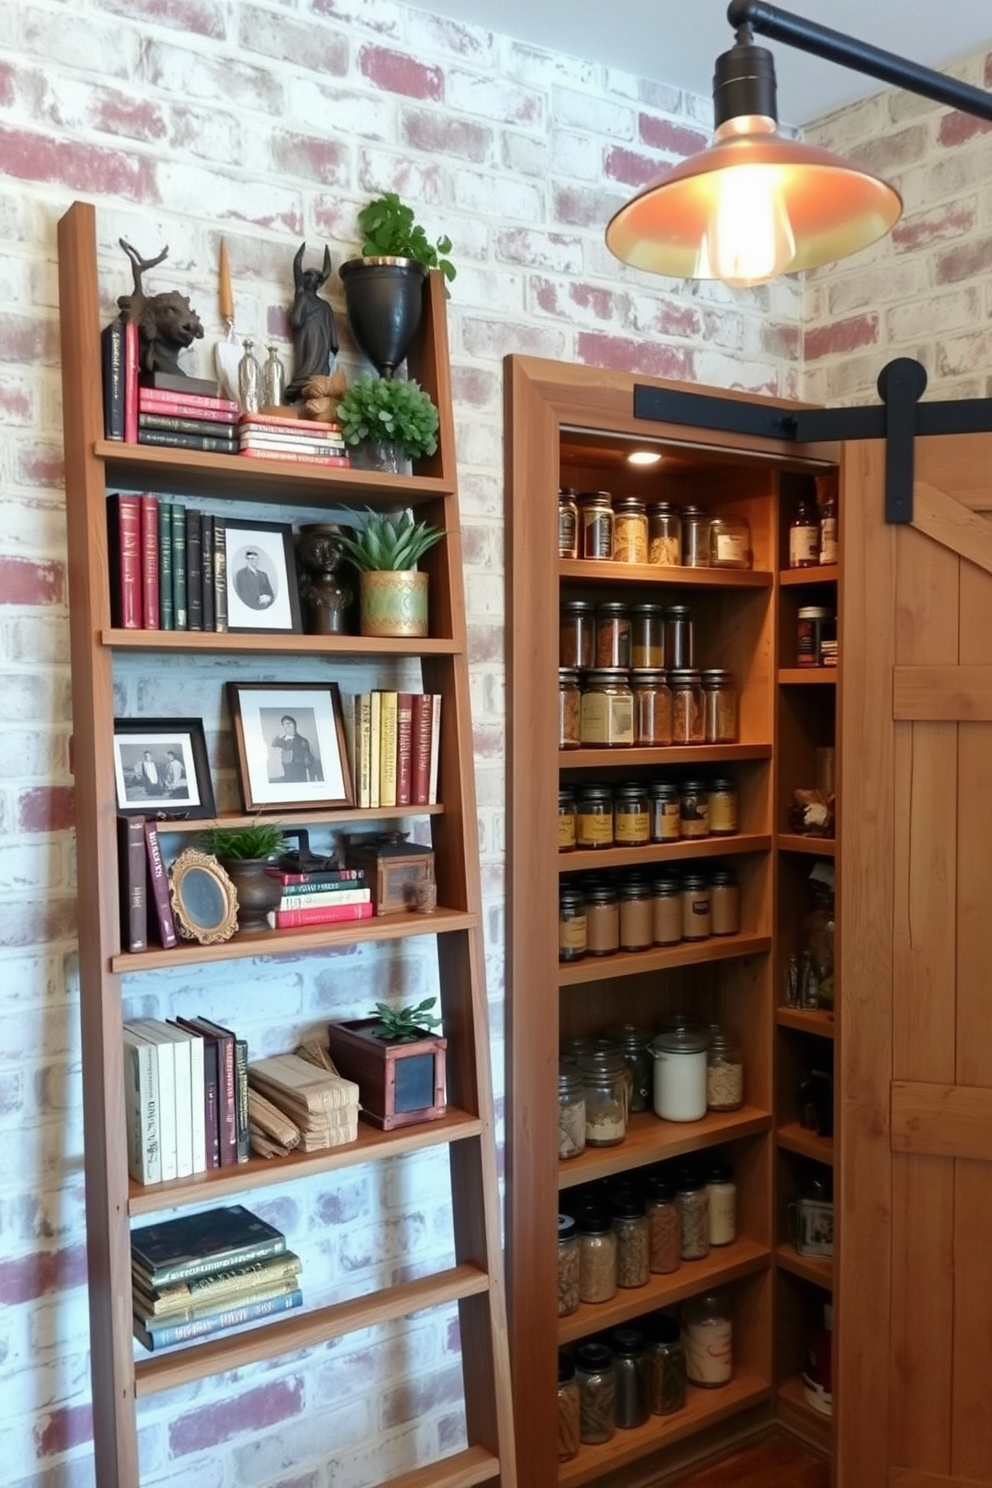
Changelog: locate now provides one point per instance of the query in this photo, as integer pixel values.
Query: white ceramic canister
(680, 1073)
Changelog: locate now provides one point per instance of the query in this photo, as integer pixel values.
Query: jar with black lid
(607, 713)
(652, 708)
(631, 820)
(596, 524)
(721, 1193)
(696, 522)
(568, 1266)
(664, 534)
(725, 901)
(631, 1362)
(697, 907)
(687, 706)
(614, 634)
(567, 819)
(719, 706)
(630, 1225)
(572, 928)
(636, 912)
(664, 807)
(576, 633)
(633, 1042)
(648, 636)
(664, 1230)
(679, 645)
(604, 1076)
(694, 808)
(597, 1378)
(694, 1214)
(723, 807)
(569, 709)
(602, 918)
(594, 822)
(568, 523)
(666, 892)
(630, 530)
(666, 1360)
(569, 1409)
(571, 1111)
(597, 1255)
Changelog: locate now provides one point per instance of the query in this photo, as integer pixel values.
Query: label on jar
(632, 827)
(665, 821)
(723, 812)
(730, 548)
(597, 534)
(709, 1351)
(572, 931)
(566, 831)
(568, 532)
(804, 546)
(828, 540)
(607, 719)
(595, 829)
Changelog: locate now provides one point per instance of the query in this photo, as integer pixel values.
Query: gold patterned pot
(393, 603)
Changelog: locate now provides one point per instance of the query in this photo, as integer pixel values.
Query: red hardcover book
(124, 558)
(149, 562)
(292, 919)
(421, 749)
(158, 881)
(227, 1084)
(211, 1091)
(275, 421)
(349, 876)
(404, 748)
(263, 454)
(164, 400)
(133, 878)
(131, 351)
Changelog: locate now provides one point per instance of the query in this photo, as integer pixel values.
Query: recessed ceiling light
(643, 457)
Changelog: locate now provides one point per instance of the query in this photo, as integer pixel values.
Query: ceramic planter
(393, 602)
(398, 1083)
(258, 892)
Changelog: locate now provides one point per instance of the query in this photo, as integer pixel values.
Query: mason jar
(568, 523)
(719, 706)
(567, 819)
(572, 927)
(724, 1071)
(725, 902)
(632, 1043)
(666, 1363)
(694, 808)
(630, 1225)
(630, 530)
(666, 891)
(631, 818)
(636, 912)
(569, 709)
(614, 635)
(652, 708)
(687, 707)
(594, 817)
(571, 1112)
(730, 542)
(576, 633)
(679, 637)
(568, 1266)
(607, 710)
(604, 1079)
(597, 1378)
(697, 907)
(664, 807)
(696, 522)
(664, 534)
(602, 918)
(647, 636)
(630, 1360)
(708, 1335)
(569, 1408)
(723, 807)
(596, 524)
(694, 1214)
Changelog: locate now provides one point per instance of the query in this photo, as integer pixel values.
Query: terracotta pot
(393, 603)
(258, 892)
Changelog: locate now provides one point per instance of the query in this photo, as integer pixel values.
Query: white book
(158, 1031)
(146, 1028)
(435, 748)
(198, 1121)
(144, 1152)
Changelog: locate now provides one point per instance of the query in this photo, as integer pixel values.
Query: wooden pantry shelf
(460, 1470)
(590, 570)
(820, 847)
(685, 953)
(796, 1138)
(200, 641)
(811, 1268)
(585, 860)
(330, 817)
(651, 1140)
(660, 758)
(372, 1145)
(796, 1413)
(807, 676)
(827, 573)
(806, 1020)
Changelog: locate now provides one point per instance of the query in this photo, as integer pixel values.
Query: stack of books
(206, 1273)
(395, 738)
(322, 1104)
(184, 419)
(168, 565)
(320, 898)
(264, 436)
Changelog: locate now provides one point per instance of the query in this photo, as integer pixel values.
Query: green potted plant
(383, 289)
(397, 1061)
(392, 593)
(246, 853)
(388, 419)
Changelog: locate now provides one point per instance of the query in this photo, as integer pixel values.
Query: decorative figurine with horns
(167, 323)
(311, 320)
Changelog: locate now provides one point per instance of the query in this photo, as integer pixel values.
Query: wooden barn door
(914, 1343)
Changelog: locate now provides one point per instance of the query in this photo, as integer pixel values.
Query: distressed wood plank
(948, 522)
(955, 694)
(942, 1120)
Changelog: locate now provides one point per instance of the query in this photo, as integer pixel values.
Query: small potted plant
(392, 593)
(388, 421)
(383, 289)
(397, 1061)
(246, 854)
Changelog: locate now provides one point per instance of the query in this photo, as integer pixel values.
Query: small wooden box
(399, 1084)
(393, 869)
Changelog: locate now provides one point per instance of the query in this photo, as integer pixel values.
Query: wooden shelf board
(796, 1138)
(590, 570)
(650, 1140)
(194, 473)
(307, 938)
(669, 754)
(810, 1268)
(200, 641)
(686, 953)
(585, 860)
(805, 676)
(702, 1408)
(372, 1145)
(796, 1413)
(333, 816)
(820, 847)
(227, 1351)
(827, 573)
(461, 1470)
(806, 1020)
(724, 1264)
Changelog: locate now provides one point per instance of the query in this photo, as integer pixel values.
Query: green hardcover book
(166, 612)
(180, 615)
(202, 1244)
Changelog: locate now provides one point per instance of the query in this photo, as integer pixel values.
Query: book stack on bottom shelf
(206, 1273)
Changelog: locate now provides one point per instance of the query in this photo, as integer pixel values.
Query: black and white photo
(290, 745)
(161, 768)
(262, 592)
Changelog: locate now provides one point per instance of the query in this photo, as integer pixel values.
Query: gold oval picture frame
(204, 900)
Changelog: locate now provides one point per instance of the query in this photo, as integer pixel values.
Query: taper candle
(226, 293)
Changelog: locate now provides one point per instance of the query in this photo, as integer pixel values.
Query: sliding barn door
(914, 1344)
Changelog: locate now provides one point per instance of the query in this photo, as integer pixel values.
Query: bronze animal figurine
(167, 323)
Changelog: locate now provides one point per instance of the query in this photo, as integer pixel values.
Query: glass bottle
(568, 524)
(607, 709)
(249, 380)
(719, 706)
(573, 930)
(597, 1378)
(664, 535)
(597, 1255)
(723, 807)
(826, 496)
(664, 1230)
(630, 530)
(708, 1335)
(569, 1408)
(725, 902)
(571, 1112)
(694, 1215)
(636, 906)
(680, 1073)
(818, 934)
(664, 806)
(631, 818)
(633, 1042)
(652, 709)
(594, 821)
(695, 537)
(273, 379)
(613, 635)
(666, 1362)
(724, 1071)
(804, 536)
(679, 648)
(687, 707)
(721, 1195)
(569, 708)
(596, 524)
(604, 1079)
(630, 1225)
(576, 628)
(568, 1265)
(567, 820)
(730, 542)
(633, 1379)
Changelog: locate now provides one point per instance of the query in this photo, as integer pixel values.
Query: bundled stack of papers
(322, 1105)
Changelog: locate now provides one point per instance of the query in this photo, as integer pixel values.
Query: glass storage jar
(694, 808)
(708, 1336)
(596, 524)
(613, 635)
(594, 817)
(567, 820)
(664, 805)
(697, 907)
(568, 523)
(723, 807)
(631, 819)
(572, 925)
(636, 912)
(719, 706)
(664, 1233)
(597, 1255)
(630, 1360)
(652, 708)
(630, 530)
(725, 902)
(679, 637)
(695, 537)
(576, 633)
(687, 707)
(568, 1265)
(664, 534)
(602, 917)
(569, 1409)
(680, 1073)
(607, 710)
(815, 624)
(604, 1079)
(724, 1071)
(630, 1225)
(666, 897)
(694, 1215)
(569, 709)
(730, 542)
(666, 1364)
(632, 1043)
(571, 1111)
(721, 1194)
(597, 1378)
(647, 636)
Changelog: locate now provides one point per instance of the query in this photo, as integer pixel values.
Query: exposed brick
(279, 34)
(16, 401)
(26, 1278)
(11, 1092)
(600, 303)
(956, 128)
(76, 166)
(596, 350)
(113, 112)
(397, 73)
(445, 135)
(23, 581)
(840, 336)
(559, 252)
(59, 1430)
(781, 340)
(675, 139)
(629, 167)
(964, 261)
(416, 1397)
(954, 220)
(198, 1430)
(37, 924)
(892, 152)
(312, 156)
(8, 91)
(192, 17)
(47, 808)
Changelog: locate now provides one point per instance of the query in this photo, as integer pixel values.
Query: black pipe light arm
(860, 56)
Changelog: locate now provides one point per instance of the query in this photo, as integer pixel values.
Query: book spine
(421, 749)
(124, 556)
(165, 1056)
(212, 444)
(259, 454)
(144, 1154)
(291, 444)
(387, 750)
(205, 1265)
(182, 383)
(328, 914)
(207, 569)
(220, 574)
(207, 1304)
(227, 1100)
(166, 613)
(179, 566)
(375, 728)
(262, 1276)
(112, 348)
(194, 571)
(184, 1102)
(363, 746)
(245, 1312)
(159, 882)
(131, 354)
(274, 421)
(435, 748)
(320, 897)
(351, 876)
(168, 401)
(211, 1102)
(404, 748)
(197, 1114)
(149, 562)
(183, 424)
(241, 1099)
(133, 878)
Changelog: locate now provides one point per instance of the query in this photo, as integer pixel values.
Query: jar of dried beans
(597, 1256)
(568, 1265)
(724, 1071)
(631, 1228)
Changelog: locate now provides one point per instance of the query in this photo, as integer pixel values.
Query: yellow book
(363, 732)
(375, 717)
(387, 750)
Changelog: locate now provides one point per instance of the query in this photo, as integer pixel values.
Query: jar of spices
(630, 530)
(697, 907)
(814, 625)
(666, 1366)
(604, 1079)
(695, 537)
(631, 819)
(596, 524)
(724, 1071)
(708, 1335)
(633, 1044)
(594, 817)
(664, 1242)
(664, 806)
(664, 534)
(694, 1215)
(631, 1228)
(568, 523)
(597, 1378)
(571, 1112)
(613, 634)
(597, 1255)
(687, 707)
(602, 918)
(721, 1193)
(576, 633)
(630, 1359)
(723, 807)
(652, 709)
(607, 709)
(679, 644)
(694, 808)
(572, 925)
(647, 636)
(730, 542)
(636, 912)
(568, 1265)
(680, 1073)
(666, 898)
(569, 1409)
(567, 819)
(719, 706)
(569, 708)
(725, 902)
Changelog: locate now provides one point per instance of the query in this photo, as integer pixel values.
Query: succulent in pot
(392, 593)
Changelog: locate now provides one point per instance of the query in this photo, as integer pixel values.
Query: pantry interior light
(644, 457)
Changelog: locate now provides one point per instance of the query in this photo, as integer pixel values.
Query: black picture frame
(141, 792)
(262, 590)
(290, 769)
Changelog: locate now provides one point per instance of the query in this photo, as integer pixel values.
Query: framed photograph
(290, 745)
(262, 592)
(161, 768)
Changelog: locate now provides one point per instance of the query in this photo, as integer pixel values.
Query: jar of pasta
(630, 1225)
(569, 708)
(607, 709)
(594, 818)
(687, 707)
(568, 1265)
(664, 534)
(652, 709)
(648, 635)
(719, 706)
(597, 1255)
(597, 1378)
(613, 635)
(596, 524)
(569, 1409)
(630, 530)
(694, 1214)
(666, 1365)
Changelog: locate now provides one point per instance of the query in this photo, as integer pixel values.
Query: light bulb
(749, 238)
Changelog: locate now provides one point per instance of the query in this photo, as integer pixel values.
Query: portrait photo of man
(294, 758)
(252, 584)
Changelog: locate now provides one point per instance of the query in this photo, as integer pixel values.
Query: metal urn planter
(384, 299)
